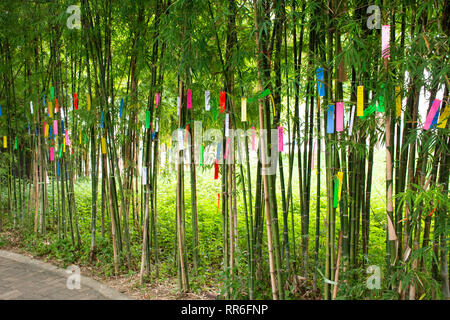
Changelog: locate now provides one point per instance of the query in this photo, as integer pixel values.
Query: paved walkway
(23, 278)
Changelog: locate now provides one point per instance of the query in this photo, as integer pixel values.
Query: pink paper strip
(226, 148)
(431, 114)
(67, 138)
(157, 100)
(253, 138)
(280, 139)
(55, 127)
(52, 154)
(189, 99)
(385, 35)
(339, 116)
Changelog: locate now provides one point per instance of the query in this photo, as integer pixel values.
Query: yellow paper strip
(50, 109)
(46, 131)
(360, 101)
(88, 98)
(80, 136)
(103, 145)
(64, 145)
(398, 102)
(5, 142)
(273, 102)
(243, 109)
(442, 122)
(340, 176)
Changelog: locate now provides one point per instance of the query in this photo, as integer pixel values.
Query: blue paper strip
(29, 129)
(435, 119)
(330, 119)
(0, 110)
(101, 120)
(43, 100)
(218, 151)
(320, 82)
(57, 168)
(121, 108)
(62, 126)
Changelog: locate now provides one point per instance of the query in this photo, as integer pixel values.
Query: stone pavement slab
(23, 278)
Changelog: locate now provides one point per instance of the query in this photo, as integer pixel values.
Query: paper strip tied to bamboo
(360, 101)
(243, 109)
(103, 145)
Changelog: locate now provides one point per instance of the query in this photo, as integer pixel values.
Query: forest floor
(124, 283)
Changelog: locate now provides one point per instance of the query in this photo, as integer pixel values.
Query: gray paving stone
(23, 278)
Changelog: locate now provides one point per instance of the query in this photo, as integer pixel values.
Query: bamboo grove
(103, 98)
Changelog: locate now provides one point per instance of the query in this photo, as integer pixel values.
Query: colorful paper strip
(207, 99)
(445, 114)
(280, 139)
(398, 101)
(103, 145)
(222, 101)
(243, 109)
(385, 37)
(330, 118)
(434, 108)
(339, 116)
(360, 101)
(88, 100)
(320, 82)
(189, 99)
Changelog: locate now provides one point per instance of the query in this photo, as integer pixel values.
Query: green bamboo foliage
(311, 229)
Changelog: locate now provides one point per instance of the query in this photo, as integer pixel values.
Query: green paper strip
(60, 151)
(263, 94)
(52, 93)
(147, 119)
(367, 112)
(201, 155)
(15, 144)
(336, 193)
(381, 107)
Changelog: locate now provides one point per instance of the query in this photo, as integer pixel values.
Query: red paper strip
(75, 102)
(57, 106)
(222, 101)
(216, 169)
(434, 209)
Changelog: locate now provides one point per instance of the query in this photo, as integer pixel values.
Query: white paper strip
(207, 98)
(31, 107)
(144, 176)
(156, 125)
(352, 116)
(227, 125)
(178, 105)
